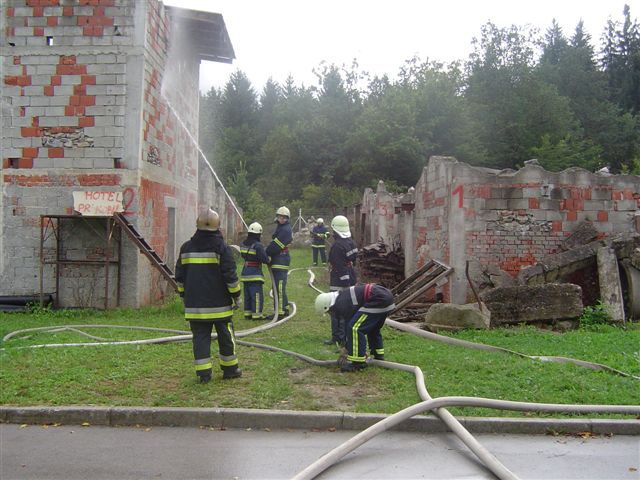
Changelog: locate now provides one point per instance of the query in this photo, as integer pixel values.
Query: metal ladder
(146, 249)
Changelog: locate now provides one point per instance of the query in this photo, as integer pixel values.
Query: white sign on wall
(97, 203)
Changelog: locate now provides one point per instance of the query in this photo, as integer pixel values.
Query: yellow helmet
(208, 220)
(283, 211)
(255, 227)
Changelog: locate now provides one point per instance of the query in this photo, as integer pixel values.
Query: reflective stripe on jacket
(277, 249)
(342, 258)
(206, 274)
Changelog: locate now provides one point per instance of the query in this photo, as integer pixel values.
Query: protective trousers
(280, 277)
(323, 253)
(201, 330)
(361, 328)
(253, 300)
(337, 328)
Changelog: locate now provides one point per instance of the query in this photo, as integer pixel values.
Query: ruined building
(101, 96)
(499, 220)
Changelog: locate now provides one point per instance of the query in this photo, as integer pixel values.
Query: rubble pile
(380, 264)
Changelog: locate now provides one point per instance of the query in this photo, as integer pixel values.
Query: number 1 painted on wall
(459, 190)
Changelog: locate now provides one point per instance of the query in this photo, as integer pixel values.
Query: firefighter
(342, 258)
(319, 234)
(251, 276)
(366, 307)
(278, 251)
(208, 284)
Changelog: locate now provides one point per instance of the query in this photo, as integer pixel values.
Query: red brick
(25, 163)
(67, 60)
(30, 132)
(534, 203)
(69, 111)
(52, 21)
(74, 100)
(24, 80)
(16, 59)
(71, 69)
(38, 12)
(556, 226)
(67, 11)
(10, 31)
(56, 152)
(10, 11)
(603, 216)
(79, 90)
(35, 121)
(572, 216)
(29, 152)
(10, 80)
(56, 80)
(88, 100)
(6, 163)
(48, 90)
(86, 121)
(38, 31)
(88, 80)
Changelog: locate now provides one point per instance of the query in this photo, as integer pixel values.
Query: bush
(596, 315)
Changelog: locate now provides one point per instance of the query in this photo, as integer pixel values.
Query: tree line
(520, 95)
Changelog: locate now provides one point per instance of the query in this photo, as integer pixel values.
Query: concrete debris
(450, 317)
(584, 233)
(537, 304)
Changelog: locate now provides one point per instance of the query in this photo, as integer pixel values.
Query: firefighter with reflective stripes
(278, 250)
(342, 258)
(251, 276)
(319, 234)
(208, 284)
(367, 307)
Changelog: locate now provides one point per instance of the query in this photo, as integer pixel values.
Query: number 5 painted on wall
(459, 190)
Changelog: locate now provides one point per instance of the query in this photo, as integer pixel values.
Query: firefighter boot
(230, 373)
(352, 366)
(206, 378)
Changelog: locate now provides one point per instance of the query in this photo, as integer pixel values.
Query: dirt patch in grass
(334, 392)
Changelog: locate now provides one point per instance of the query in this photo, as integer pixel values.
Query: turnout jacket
(369, 298)
(206, 277)
(254, 256)
(319, 234)
(278, 248)
(342, 258)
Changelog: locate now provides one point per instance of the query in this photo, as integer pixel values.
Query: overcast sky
(281, 37)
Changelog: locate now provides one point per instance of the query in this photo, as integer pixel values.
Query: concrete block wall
(86, 89)
(510, 219)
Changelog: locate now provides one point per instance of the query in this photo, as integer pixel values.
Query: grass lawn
(163, 375)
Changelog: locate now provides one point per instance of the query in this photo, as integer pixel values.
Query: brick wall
(510, 219)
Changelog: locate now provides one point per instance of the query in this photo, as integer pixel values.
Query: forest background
(562, 99)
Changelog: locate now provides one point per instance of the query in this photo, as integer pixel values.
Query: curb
(300, 420)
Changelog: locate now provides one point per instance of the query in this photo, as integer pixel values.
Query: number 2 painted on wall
(459, 190)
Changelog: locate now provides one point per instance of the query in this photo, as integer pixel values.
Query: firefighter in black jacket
(251, 276)
(208, 283)
(278, 250)
(319, 234)
(342, 258)
(366, 306)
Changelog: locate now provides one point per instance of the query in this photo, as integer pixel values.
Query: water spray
(204, 157)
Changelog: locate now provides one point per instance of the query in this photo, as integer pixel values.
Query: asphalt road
(123, 453)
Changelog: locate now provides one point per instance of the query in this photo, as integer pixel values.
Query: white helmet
(255, 227)
(283, 211)
(325, 301)
(320, 221)
(340, 225)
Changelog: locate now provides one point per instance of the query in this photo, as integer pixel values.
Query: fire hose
(428, 403)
